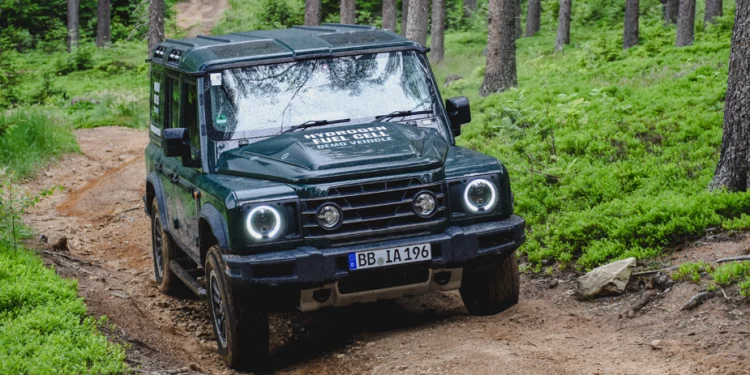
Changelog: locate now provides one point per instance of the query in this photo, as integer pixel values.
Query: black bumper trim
(310, 266)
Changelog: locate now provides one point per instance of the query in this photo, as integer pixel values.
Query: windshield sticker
(156, 99)
(215, 79)
(157, 87)
(221, 119)
(350, 137)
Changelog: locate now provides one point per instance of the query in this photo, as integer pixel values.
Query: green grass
(43, 324)
(721, 276)
(691, 271)
(610, 152)
(33, 136)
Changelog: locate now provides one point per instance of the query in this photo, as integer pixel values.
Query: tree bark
(714, 8)
(563, 25)
(437, 43)
(470, 6)
(500, 73)
(103, 30)
(671, 9)
(519, 26)
(404, 16)
(686, 23)
(419, 11)
(630, 37)
(74, 25)
(348, 12)
(533, 17)
(312, 12)
(389, 15)
(733, 169)
(155, 24)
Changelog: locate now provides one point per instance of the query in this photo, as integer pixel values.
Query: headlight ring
(480, 196)
(263, 222)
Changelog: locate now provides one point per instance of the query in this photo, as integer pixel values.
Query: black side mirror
(176, 143)
(459, 113)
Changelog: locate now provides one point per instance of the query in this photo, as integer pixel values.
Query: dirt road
(549, 332)
(199, 16)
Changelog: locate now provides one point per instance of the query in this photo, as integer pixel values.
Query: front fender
(216, 222)
(154, 180)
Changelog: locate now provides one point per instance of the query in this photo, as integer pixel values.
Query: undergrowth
(724, 275)
(610, 152)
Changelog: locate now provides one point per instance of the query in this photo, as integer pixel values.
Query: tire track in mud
(101, 214)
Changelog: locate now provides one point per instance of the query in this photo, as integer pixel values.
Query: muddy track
(101, 214)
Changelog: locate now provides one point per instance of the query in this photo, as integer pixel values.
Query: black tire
(240, 324)
(163, 251)
(492, 290)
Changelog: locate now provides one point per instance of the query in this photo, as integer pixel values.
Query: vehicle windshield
(262, 101)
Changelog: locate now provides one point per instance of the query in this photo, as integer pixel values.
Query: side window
(190, 116)
(172, 102)
(156, 95)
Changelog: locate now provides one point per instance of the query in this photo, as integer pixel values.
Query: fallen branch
(696, 301)
(651, 272)
(643, 301)
(731, 259)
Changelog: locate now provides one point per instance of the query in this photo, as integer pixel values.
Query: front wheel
(240, 321)
(492, 290)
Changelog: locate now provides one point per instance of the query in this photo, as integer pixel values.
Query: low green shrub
(691, 271)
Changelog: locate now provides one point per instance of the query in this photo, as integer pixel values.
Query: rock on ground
(606, 280)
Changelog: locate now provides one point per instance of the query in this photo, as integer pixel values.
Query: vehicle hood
(344, 152)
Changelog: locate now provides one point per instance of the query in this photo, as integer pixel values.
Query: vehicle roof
(205, 53)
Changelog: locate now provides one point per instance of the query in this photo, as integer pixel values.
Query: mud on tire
(163, 251)
(492, 290)
(240, 323)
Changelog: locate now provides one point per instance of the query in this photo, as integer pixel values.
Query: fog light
(322, 295)
(329, 216)
(425, 204)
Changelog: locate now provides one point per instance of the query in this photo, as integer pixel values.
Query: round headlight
(480, 196)
(263, 222)
(329, 216)
(425, 204)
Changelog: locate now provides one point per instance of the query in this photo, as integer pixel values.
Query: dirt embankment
(101, 214)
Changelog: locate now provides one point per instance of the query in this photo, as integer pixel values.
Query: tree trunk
(470, 6)
(563, 25)
(733, 169)
(389, 15)
(630, 38)
(500, 73)
(713, 10)
(404, 16)
(312, 12)
(686, 23)
(671, 8)
(419, 14)
(348, 12)
(437, 44)
(519, 26)
(533, 17)
(103, 31)
(74, 25)
(155, 24)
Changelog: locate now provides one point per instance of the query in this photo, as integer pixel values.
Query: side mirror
(176, 143)
(459, 113)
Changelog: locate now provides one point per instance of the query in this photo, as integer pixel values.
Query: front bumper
(309, 267)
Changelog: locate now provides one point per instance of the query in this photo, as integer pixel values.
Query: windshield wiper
(403, 114)
(313, 123)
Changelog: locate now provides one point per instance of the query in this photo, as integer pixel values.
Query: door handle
(174, 178)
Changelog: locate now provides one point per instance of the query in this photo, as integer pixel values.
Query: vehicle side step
(186, 275)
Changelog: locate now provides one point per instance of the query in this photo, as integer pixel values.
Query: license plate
(389, 257)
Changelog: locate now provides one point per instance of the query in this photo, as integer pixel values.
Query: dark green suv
(314, 167)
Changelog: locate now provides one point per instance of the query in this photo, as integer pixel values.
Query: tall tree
(348, 11)
(74, 24)
(671, 8)
(533, 17)
(419, 14)
(155, 24)
(686, 23)
(500, 73)
(563, 25)
(103, 30)
(714, 8)
(312, 12)
(404, 16)
(437, 33)
(470, 6)
(389, 15)
(519, 27)
(733, 170)
(630, 36)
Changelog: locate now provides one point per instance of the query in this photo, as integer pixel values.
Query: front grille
(366, 280)
(373, 210)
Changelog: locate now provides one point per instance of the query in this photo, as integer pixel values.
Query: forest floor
(100, 213)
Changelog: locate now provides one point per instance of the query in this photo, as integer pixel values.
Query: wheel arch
(212, 230)
(154, 191)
